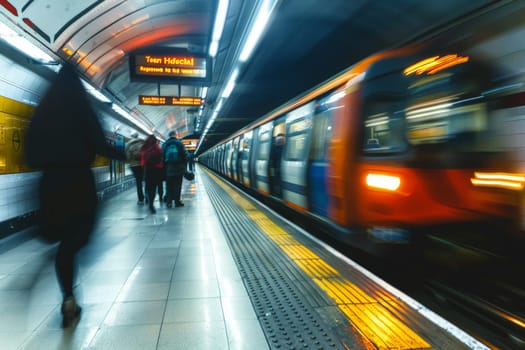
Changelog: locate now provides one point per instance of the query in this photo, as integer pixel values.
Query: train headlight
(501, 180)
(383, 181)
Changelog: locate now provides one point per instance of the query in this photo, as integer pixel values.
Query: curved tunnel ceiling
(305, 43)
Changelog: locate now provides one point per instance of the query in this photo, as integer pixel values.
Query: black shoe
(70, 312)
(168, 205)
(140, 202)
(152, 210)
(179, 204)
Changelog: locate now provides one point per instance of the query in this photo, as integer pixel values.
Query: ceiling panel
(307, 41)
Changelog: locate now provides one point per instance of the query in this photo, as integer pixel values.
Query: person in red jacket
(152, 163)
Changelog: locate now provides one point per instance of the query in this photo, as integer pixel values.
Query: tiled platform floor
(164, 281)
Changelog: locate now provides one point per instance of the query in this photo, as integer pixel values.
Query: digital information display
(190, 144)
(169, 66)
(170, 101)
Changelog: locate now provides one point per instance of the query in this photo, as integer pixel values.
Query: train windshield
(448, 108)
(444, 108)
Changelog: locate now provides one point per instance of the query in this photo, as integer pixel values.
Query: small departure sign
(170, 101)
(190, 144)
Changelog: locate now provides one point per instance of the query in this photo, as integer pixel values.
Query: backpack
(172, 154)
(133, 151)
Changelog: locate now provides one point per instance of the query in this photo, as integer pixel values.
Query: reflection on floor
(163, 281)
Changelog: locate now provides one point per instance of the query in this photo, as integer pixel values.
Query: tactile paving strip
(275, 285)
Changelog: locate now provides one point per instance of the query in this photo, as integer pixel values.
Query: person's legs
(138, 173)
(177, 190)
(149, 178)
(73, 224)
(160, 189)
(65, 265)
(159, 183)
(170, 193)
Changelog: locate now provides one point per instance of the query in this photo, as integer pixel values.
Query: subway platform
(222, 272)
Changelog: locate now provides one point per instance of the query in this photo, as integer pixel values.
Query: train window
(264, 137)
(264, 145)
(246, 141)
(466, 126)
(278, 129)
(295, 147)
(321, 133)
(298, 126)
(384, 127)
(448, 108)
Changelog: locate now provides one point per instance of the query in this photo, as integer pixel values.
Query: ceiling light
(218, 107)
(257, 27)
(231, 84)
(96, 93)
(263, 15)
(22, 44)
(204, 91)
(220, 18)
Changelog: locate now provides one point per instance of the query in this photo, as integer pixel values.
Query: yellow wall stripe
(366, 313)
(14, 120)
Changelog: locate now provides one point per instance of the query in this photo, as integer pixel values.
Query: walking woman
(62, 139)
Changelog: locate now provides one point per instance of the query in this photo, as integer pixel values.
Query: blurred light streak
(500, 180)
(435, 64)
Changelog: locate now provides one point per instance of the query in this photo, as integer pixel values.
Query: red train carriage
(400, 146)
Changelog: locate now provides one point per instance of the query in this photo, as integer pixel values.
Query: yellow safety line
(368, 315)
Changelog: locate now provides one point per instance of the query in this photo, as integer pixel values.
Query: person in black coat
(62, 139)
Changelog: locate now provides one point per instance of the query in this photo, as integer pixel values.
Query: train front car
(431, 158)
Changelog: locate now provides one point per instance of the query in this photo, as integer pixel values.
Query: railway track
(486, 299)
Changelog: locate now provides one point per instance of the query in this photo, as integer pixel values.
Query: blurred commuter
(151, 159)
(62, 139)
(175, 157)
(191, 161)
(133, 148)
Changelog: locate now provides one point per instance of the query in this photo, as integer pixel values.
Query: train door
(224, 156)
(254, 149)
(214, 159)
(222, 151)
(261, 158)
(216, 153)
(275, 157)
(228, 160)
(211, 158)
(235, 158)
(245, 158)
(295, 157)
(318, 162)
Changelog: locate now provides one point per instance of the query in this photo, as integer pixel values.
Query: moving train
(404, 147)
